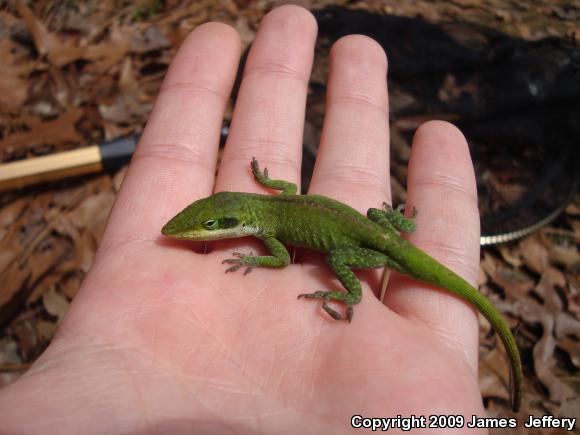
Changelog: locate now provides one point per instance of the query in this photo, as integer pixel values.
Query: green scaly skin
(351, 240)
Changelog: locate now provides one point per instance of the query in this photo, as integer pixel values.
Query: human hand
(160, 339)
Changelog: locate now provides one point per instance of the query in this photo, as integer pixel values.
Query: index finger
(174, 163)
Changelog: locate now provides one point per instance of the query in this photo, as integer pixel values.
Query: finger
(268, 120)
(353, 159)
(441, 186)
(175, 160)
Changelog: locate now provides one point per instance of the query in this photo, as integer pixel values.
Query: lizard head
(219, 216)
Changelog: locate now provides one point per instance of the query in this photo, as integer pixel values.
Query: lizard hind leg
(341, 261)
(390, 218)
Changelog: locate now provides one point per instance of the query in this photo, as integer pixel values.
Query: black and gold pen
(108, 156)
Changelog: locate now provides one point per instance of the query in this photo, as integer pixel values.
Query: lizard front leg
(279, 258)
(342, 261)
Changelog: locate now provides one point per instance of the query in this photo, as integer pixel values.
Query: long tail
(422, 267)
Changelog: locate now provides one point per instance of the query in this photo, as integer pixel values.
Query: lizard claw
(349, 312)
(256, 169)
(401, 209)
(334, 314)
(387, 207)
(233, 268)
(326, 296)
(238, 262)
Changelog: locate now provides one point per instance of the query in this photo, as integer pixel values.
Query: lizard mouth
(191, 234)
(169, 229)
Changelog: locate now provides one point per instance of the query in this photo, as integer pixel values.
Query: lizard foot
(241, 261)
(326, 297)
(397, 218)
(259, 174)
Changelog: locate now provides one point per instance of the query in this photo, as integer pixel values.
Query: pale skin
(160, 339)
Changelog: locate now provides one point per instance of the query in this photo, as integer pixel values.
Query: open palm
(161, 340)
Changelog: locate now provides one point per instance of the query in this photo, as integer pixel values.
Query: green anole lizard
(351, 240)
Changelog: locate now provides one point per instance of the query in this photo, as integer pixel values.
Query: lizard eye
(211, 224)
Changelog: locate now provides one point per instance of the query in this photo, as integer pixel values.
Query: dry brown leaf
(481, 277)
(535, 255)
(34, 252)
(108, 53)
(512, 258)
(58, 130)
(514, 282)
(567, 325)
(88, 55)
(72, 232)
(55, 304)
(568, 255)
(573, 209)
(125, 109)
(180, 21)
(92, 214)
(247, 33)
(13, 83)
(8, 215)
(12, 211)
(70, 284)
(147, 37)
(127, 80)
(46, 329)
(574, 301)
(88, 249)
(9, 351)
(119, 177)
(451, 90)
(15, 68)
(544, 360)
(60, 53)
(67, 199)
(129, 104)
(507, 191)
(43, 39)
(572, 348)
(493, 378)
(546, 288)
(27, 338)
(574, 233)
(543, 353)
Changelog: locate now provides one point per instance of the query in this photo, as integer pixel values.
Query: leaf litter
(77, 73)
